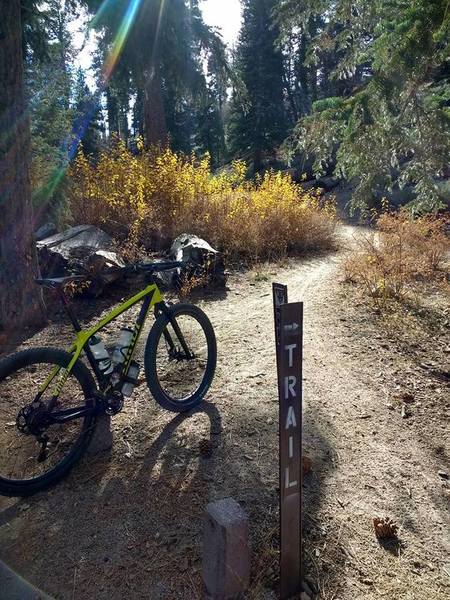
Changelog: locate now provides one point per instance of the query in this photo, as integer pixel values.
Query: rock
(85, 236)
(306, 588)
(443, 474)
(309, 185)
(103, 267)
(205, 263)
(81, 250)
(312, 586)
(328, 183)
(45, 231)
(325, 184)
(226, 551)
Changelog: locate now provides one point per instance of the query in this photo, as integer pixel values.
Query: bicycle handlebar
(151, 268)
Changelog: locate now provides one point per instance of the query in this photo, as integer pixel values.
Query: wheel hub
(180, 356)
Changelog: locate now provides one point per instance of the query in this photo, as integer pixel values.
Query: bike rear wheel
(33, 460)
(180, 358)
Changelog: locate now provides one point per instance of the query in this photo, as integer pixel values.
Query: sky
(224, 14)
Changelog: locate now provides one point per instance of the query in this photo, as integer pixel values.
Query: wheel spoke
(181, 377)
(22, 456)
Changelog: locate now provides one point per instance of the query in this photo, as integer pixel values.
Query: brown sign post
(280, 297)
(290, 366)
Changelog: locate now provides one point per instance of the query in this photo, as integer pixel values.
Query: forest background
(359, 90)
(173, 130)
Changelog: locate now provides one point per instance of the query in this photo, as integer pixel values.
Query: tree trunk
(113, 112)
(257, 161)
(154, 112)
(21, 301)
(138, 114)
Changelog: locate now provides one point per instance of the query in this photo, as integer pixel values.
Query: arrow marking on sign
(293, 327)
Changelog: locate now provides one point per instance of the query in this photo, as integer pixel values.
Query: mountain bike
(50, 399)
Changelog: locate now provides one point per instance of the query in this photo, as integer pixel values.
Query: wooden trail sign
(280, 297)
(290, 367)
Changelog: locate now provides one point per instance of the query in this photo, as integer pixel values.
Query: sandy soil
(128, 523)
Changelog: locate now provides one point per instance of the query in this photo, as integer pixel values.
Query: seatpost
(69, 310)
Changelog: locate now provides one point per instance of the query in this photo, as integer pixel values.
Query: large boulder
(45, 231)
(203, 262)
(81, 250)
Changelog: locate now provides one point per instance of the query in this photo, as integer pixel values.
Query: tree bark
(257, 161)
(113, 113)
(154, 111)
(21, 301)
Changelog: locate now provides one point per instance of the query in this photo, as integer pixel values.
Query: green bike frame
(151, 297)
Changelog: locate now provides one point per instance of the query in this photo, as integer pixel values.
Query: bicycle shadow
(94, 523)
(163, 500)
(116, 528)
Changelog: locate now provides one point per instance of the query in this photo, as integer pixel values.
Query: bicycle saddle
(58, 282)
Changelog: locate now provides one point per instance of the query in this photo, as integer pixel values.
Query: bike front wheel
(34, 451)
(180, 357)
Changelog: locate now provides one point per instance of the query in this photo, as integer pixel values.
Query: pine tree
(259, 126)
(381, 114)
(166, 40)
(87, 126)
(210, 133)
(49, 83)
(20, 299)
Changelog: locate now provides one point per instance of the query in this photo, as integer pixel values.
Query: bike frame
(150, 297)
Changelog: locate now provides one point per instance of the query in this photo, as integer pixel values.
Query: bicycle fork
(164, 308)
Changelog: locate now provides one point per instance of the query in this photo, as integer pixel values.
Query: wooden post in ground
(289, 333)
(226, 553)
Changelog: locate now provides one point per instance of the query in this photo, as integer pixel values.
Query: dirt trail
(128, 524)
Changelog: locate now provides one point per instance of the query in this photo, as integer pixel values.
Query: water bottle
(120, 351)
(133, 374)
(101, 355)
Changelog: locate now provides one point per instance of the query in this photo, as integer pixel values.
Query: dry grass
(151, 197)
(396, 260)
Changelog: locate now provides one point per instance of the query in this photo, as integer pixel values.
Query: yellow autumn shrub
(153, 196)
(399, 256)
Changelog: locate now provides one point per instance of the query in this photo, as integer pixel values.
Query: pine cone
(385, 529)
(206, 448)
(307, 465)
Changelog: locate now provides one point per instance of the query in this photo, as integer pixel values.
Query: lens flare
(121, 38)
(158, 27)
(46, 191)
